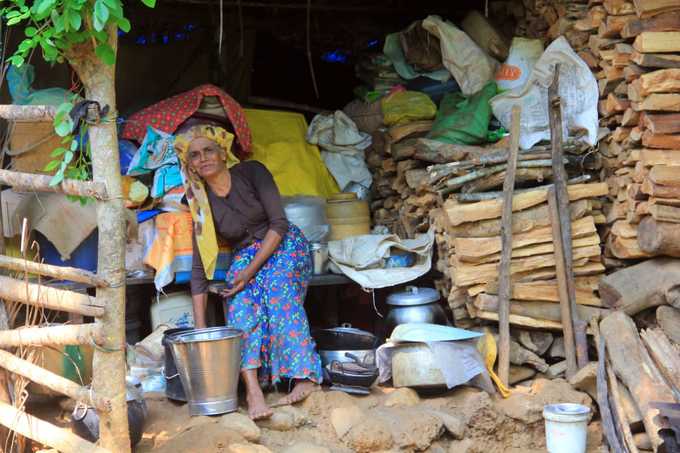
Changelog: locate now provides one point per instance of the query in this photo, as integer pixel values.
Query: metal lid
(342, 197)
(413, 296)
(206, 334)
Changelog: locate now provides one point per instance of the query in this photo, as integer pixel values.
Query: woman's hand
(238, 284)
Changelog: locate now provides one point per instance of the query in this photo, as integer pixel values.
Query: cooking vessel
(351, 375)
(173, 385)
(415, 305)
(335, 344)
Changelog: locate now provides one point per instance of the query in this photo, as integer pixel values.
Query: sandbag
(464, 121)
(407, 106)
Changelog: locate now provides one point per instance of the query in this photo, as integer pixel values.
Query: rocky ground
(465, 420)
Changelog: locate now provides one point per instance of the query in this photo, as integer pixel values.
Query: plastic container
(566, 427)
(348, 216)
(320, 258)
(174, 309)
(83, 257)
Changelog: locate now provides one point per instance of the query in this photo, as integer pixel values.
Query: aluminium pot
(414, 305)
(345, 345)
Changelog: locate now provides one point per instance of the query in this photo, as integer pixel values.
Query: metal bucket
(208, 362)
(173, 385)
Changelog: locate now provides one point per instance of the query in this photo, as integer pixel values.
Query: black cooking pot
(173, 386)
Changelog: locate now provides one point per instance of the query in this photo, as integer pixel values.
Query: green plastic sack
(464, 121)
(407, 106)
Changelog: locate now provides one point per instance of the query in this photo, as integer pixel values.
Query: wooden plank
(661, 123)
(535, 309)
(659, 102)
(546, 291)
(669, 21)
(648, 8)
(664, 354)
(664, 213)
(505, 289)
(651, 157)
(50, 298)
(659, 81)
(660, 141)
(491, 209)
(533, 250)
(653, 41)
(44, 432)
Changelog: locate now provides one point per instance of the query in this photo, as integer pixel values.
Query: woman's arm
(200, 302)
(270, 243)
(199, 287)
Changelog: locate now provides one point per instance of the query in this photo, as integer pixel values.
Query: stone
(344, 418)
(320, 403)
(371, 434)
(585, 380)
(286, 418)
(403, 397)
(461, 446)
(557, 370)
(412, 428)
(595, 436)
(305, 447)
(248, 448)
(520, 373)
(242, 425)
(454, 424)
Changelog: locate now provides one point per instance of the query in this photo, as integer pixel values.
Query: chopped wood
(662, 213)
(651, 157)
(659, 81)
(616, 104)
(400, 132)
(656, 60)
(404, 149)
(628, 249)
(632, 72)
(652, 41)
(659, 238)
(628, 356)
(658, 190)
(532, 250)
(661, 141)
(624, 229)
(661, 123)
(668, 318)
(462, 213)
(437, 152)
(618, 7)
(663, 22)
(603, 398)
(536, 309)
(522, 321)
(648, 8)
(665, 356)
(522, 176)
(630, 118)
(612, 26)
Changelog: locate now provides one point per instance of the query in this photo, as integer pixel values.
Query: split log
(400, 132)
(41, 183)
(59, 272)
(661, 124)
(455, 183)
(440, 153)
(624, 229)
(603, 399)
(618, 7)
(636, 288)
(533, 250)
(612, 26)
(662, 213)
(72, 334)
(53, 381)
(656, 60)
(632, 72)
(630, 118)
(462, 213)
(618, 405)
(659, 238)
(403, 150)
(665, 356)
(659, 81)
(649, 8)
(628, 357)
(546, 291)
(652, 157)
(50, 298)
(661, 102)
(616, 104)
(521, 321)
(536, 341)
(523, 175)
(660, 191)
(668, 318)
(44, 432)
(663, 22)
(661, 141)
(626, 249)
(538, 310)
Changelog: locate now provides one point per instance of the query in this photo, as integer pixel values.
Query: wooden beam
(13, 112)
(59, 335)
(504, 286)
(59, 272)
(41, 183)
(44, 432)
(53, 381)
(50, 298)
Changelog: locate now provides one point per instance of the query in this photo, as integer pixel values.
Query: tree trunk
(109, 361)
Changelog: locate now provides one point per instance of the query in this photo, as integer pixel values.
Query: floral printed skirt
(270, 311)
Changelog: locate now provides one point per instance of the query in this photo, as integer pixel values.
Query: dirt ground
(465, 420)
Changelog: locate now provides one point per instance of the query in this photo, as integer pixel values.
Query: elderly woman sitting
(271, 265)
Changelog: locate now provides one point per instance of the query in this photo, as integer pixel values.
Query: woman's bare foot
(303, 388)
(257, 406)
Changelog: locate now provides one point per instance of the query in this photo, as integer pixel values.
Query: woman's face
(205, 157)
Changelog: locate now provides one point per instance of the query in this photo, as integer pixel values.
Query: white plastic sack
(578, 90)
(514, 73)
(466, 61)
(361, 258)
(342, 148)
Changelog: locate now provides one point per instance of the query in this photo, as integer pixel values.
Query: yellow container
(348, 216)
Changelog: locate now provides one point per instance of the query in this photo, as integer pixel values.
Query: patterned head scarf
(196, 194)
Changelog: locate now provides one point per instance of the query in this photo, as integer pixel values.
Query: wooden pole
(624, 424)
(5, 380)
(109, 366)
(565, 306)
(47, 297)
(14, 112)
(562, 196)
(608, 423)
(44, 432)
(58, 335)
(504, 286)
(41, 183)
(60, 272)
(53, 381)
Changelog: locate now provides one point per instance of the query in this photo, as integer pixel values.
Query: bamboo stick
(53, 381)
(47, 297)
(59, 335)
(44, 432)
(27, 112)
(41, 183)
(504, 286)
(60, 272)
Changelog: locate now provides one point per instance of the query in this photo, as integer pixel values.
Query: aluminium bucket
(208, 362)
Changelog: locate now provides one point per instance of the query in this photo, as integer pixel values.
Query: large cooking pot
(414, 305)
(345, 345)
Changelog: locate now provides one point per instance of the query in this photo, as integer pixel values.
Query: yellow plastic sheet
(486, 346)
(406, 106)
(279, 143)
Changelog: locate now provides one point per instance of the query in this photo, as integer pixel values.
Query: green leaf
(68, 156)
(57, 178)
(16, 60)
(30, 31)
(12, 14)
(75, 20)
(115, 7)
(150, 3)
(74, 145)
(51, 165)
(42, 6)
(14, 21)
(57, 20)
(101, 15)
(106, 53)
(58, 152)
(124, 25)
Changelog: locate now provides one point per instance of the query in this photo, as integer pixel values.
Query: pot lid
(413, 296)
(342, 197)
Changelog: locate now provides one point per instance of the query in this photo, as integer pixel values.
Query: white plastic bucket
(566, 427)
(174, 309)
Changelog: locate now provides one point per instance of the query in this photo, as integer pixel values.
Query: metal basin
(208, 362)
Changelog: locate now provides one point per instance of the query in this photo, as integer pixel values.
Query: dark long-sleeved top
(251, 208)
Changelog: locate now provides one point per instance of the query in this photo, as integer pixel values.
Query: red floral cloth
(169, 114)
